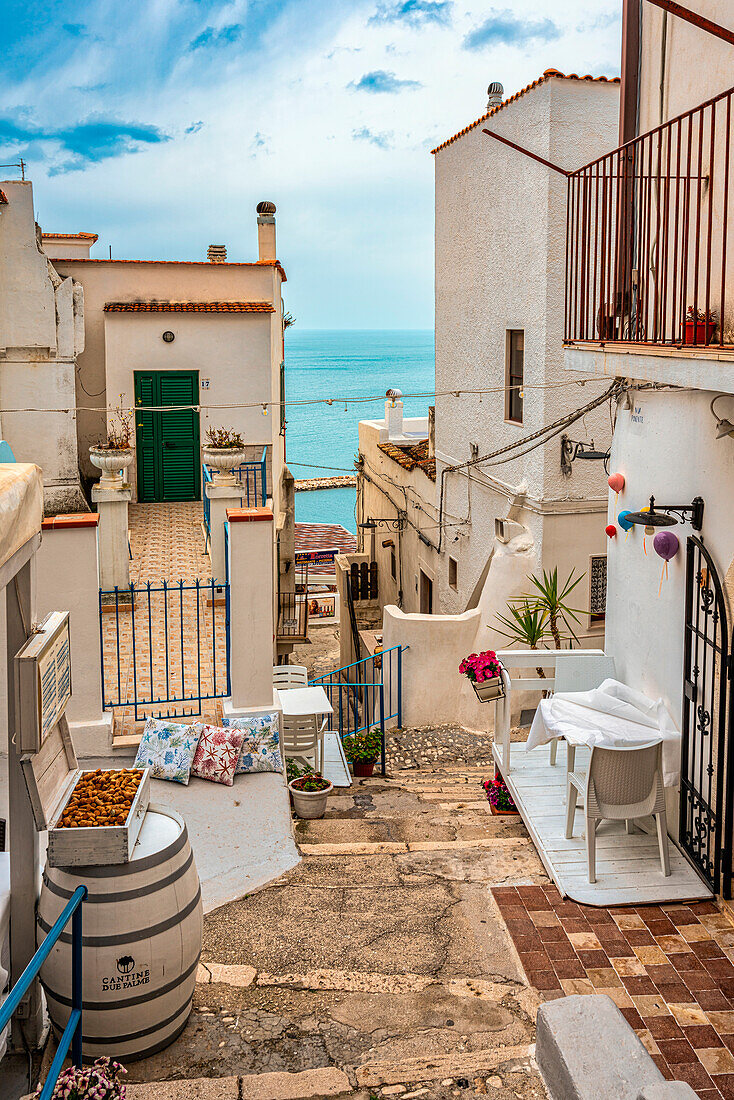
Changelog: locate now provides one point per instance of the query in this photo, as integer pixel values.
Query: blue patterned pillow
(260, 750)
(167, 749)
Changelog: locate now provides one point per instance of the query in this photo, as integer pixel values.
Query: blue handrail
(72, 1036)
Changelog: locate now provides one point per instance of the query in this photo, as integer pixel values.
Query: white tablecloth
(296, 702)
(609, 715)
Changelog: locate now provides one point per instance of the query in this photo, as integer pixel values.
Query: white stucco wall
(68, 247)
(125, 281)
(40, 335)
(664, 446)
(229, 349)
(500, 248)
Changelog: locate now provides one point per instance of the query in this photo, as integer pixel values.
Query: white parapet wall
(68, 579)
(433, 691)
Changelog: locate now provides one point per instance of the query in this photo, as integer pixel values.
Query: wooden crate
(51, 776)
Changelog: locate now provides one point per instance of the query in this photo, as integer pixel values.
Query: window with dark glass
(598, 589)
(514, 372)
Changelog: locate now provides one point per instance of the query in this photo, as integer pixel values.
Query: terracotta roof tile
(188, 307)
(412, 457)
(541, 80)
(3, 196)
(70, 237)
(324, 536)
(189, 263)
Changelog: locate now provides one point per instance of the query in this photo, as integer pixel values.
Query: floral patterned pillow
(167, 748)
(217, 753)
(261, 745)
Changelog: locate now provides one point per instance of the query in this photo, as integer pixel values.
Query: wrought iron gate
(706, 768)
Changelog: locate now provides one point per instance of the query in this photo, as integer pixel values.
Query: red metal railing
(649, 237)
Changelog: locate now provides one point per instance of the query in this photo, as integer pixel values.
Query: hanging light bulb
(265, 409)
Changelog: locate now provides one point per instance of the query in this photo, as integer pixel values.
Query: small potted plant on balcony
(362, 750)
(498, 796)
(100, 1080)
(224, 451)
(484, 672)
(309, 793)
(699, 326)
(114, 454)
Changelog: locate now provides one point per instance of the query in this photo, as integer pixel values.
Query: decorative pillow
(217, 753)
(167, 748)
(261, 745)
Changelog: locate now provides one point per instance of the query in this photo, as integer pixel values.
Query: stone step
(394, 847)
(327, 1081)
(375, 1074)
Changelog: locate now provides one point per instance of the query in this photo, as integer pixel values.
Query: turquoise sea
(346, 366)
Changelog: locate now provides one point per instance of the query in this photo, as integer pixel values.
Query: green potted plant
(309, 793)
(224, 450)
(498, 796)
(362, 750)
(113, 454)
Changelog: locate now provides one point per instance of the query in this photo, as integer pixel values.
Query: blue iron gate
(366, 693)
(165, 647)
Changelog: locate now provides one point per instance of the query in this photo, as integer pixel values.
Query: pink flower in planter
(479, 667)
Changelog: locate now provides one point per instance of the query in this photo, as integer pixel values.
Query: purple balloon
(666, 544)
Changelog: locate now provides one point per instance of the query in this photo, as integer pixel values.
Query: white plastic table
(297, 702)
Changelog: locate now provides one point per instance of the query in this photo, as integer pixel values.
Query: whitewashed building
(664, 252)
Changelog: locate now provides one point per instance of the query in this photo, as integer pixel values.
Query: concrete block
(586, 1050)
(669, 1090)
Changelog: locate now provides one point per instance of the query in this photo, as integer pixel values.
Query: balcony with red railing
(650, 242)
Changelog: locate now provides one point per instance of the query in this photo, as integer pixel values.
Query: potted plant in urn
(484, 672)
(224, 451)
(309, 793)
(362, 750)
(114, 454)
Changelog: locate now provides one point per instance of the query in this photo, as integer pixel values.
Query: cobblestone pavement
(418, 748)
(383, 953)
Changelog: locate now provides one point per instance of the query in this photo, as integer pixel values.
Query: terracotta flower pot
(309, 804)
(699, 333)
(363, 769)
(500, 813)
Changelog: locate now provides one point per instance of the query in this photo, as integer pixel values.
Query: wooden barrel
(142, 931)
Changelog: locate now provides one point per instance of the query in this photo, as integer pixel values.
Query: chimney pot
(266, 232)
(217, 253)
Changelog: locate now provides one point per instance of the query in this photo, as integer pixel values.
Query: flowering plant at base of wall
(363, 747)
(479, 667)
(498, 796)
(100, 1080)
(223, 439)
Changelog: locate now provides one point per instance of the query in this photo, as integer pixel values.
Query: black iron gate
(707, 773)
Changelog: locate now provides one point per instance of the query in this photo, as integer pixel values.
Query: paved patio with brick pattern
(668, 968)
(167, 542)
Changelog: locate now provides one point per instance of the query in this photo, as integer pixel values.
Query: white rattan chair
(622, 783)
(290, 676)
(302, 738)
(579, 672)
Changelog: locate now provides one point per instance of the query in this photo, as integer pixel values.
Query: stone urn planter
(111, 462)
(223, 461)
(309, 804)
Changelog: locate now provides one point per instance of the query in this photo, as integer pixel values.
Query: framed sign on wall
(43, 680)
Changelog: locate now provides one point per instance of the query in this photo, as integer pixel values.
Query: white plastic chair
(579, 672)
(290, 676)
(302, 737)
(622, 783)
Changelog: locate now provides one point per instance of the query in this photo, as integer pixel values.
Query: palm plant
(552, 597)
(526, 624)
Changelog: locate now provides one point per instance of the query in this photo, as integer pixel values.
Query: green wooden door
(167, 440)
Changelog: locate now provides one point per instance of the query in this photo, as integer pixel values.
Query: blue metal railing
(162, 645)
(366, 693)
(206, 477)
(72, 1036)
(253, 478)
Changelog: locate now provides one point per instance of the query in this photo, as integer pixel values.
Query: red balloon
(611, 530)
(616, 482)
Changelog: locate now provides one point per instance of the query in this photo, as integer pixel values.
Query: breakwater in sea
(342, 481)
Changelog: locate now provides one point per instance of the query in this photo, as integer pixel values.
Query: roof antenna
(110, 251)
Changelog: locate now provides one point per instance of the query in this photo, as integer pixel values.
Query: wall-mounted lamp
(658, 517)
(571, 449)
(396, 523)
(723, 427)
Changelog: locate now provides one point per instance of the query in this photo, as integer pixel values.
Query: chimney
(431, 431)
(217, 253)
(394, 414)
(266, 232)
(495, 94)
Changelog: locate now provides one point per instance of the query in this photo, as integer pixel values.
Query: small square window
(598, 589)
(453, 573)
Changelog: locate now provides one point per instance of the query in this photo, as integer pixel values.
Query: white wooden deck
(627, 867)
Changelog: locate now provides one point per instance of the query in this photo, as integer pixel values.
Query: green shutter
(168, 441)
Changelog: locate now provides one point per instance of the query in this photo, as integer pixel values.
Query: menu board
(54, 680)
(43, 680)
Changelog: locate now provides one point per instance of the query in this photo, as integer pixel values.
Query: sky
(159, 125)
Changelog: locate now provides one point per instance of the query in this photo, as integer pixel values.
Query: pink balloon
(616, 482)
